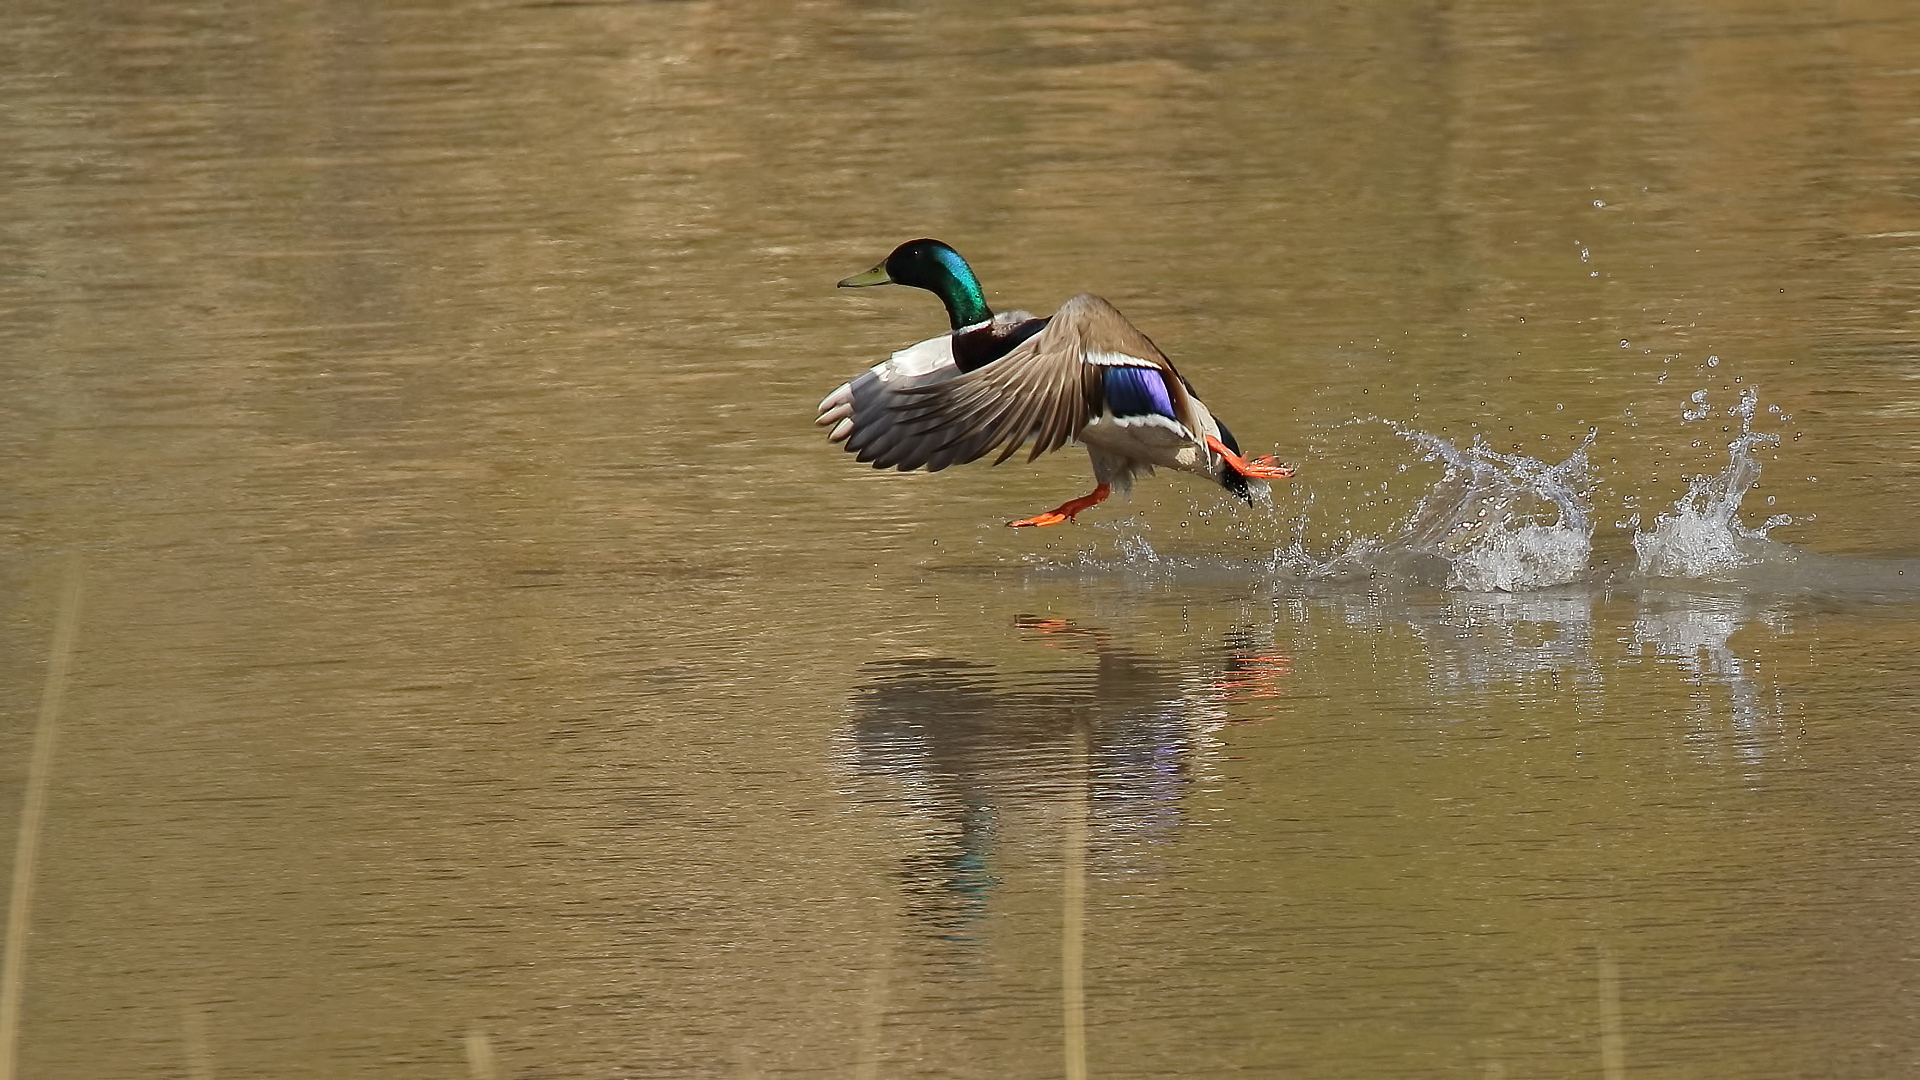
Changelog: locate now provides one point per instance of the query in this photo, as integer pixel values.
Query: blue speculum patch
(1137, 391)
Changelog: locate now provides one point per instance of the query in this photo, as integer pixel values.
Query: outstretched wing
(1044, 391)
(861, 411)
(876, 434)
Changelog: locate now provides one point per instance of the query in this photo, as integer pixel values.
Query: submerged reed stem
(481, 1062)
(32, 811)
(1613, 1039)
(1073, 916)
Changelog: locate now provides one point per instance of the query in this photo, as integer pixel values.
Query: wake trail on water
(1510, 523)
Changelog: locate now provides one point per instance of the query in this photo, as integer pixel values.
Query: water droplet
(1624, 343)
(1713, 361)
(1599, 204)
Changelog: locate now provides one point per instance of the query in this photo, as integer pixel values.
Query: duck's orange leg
(1260, 468)
(1066, 510)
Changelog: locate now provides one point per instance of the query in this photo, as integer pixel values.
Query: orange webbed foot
(1051, 517)
(1268, 467)
(1065, 511)
(1264, 467)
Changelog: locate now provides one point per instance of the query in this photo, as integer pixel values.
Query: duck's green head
(937, 268)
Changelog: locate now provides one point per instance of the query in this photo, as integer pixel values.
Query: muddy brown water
(480, 666)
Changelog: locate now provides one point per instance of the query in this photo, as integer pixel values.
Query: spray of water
(1703, 536)
(1493, 522)
(1485, 517)
(1508, 523)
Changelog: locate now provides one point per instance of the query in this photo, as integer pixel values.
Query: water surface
(482, 667)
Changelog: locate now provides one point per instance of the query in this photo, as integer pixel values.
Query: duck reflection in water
(984, 760)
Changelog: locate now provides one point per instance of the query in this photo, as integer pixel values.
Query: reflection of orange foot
(1265, 467)
(1055, 630)
(1246, 678)
(1066, 510)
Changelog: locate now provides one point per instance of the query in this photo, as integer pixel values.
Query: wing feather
(1043, 392)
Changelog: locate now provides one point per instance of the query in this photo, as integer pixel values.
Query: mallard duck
(997, 381)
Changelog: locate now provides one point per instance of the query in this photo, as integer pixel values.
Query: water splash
(1497, 523)
(1134, 548)
(1482, 522)
(1704, 536)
